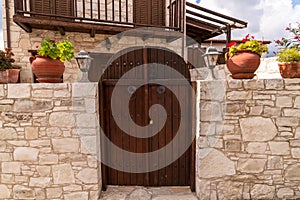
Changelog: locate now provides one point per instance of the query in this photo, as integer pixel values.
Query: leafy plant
(6, 60)
(289, 48)
(289, 55)
(248, 43)
(64, 51)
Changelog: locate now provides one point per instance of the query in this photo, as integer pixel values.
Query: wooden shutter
(40, 6)
(150, 12)
(57, 7)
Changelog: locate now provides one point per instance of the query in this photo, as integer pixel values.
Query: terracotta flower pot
(243, 64)
(13, 75)
(289, 69)
(47, 70)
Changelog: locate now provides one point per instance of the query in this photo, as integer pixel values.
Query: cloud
(266, 19)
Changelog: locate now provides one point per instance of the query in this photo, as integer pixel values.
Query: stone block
(11, 167)
(8, 134)
(234, 146)
(213, 90)
(63, 174)
(39, 182)
(31, 133)
(62, 119)
(223, 166)
(88, 176)
(48, 159)
(292, 173)
(235, 109)
(275, 162)
(253, 84)
(250, 165)
(274, 84)
(284, 193)
(5, 157)
(211, 111)
(279, 148)
(31, 105)
(261, 191)
(87, 121)
(256, 148)
(43, 170)
(22, 192)
(284, 101)
(26, 154)
(52, 193)
(89, 145)
(257, 129)
(297, 102)
(295, 152)
(4, 192)
(239, 95)
(66, 145)
(230, 190)
(76, 196)
(19, 91)
(291, 112)
(287, 121)
(292, 84)
(84, 89)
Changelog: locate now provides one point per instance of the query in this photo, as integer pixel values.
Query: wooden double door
(147, 86)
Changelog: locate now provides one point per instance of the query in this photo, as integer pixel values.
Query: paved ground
(142, 193)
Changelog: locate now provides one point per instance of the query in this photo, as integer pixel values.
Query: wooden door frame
(193, 128)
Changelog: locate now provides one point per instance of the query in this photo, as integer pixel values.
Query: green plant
(248, 43)
(64, 51)
(289, 55)
(6, 60)
(289, 48)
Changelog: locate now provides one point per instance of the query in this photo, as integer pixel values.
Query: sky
(267, 19)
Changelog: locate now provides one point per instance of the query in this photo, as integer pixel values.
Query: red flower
(37, 46)
(53, 41)
(287, 28)
(230, 44)
(247, 38)
(277, 41)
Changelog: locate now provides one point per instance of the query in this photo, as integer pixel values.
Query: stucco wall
(49, 141)
(248, 146)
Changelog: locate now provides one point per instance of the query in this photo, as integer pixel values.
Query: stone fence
(248, 140)
(48, 141)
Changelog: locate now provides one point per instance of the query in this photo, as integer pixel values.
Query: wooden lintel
(93, 32)
(61, 30)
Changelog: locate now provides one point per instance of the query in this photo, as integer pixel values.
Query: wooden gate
(181, 171)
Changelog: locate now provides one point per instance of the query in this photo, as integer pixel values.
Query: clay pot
(13, 75)
(47, 70)
(243, 64)
(289, 69)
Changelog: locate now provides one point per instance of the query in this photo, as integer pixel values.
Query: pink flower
(230, 44)
(287, 28)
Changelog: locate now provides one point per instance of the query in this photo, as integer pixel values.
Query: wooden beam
(61, 30)
(25, 27)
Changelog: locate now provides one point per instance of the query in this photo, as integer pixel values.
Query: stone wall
(248, 146)
(48, 141)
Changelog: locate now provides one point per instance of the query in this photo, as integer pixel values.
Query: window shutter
(57, 7)
(40, 6)
(150, 12)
